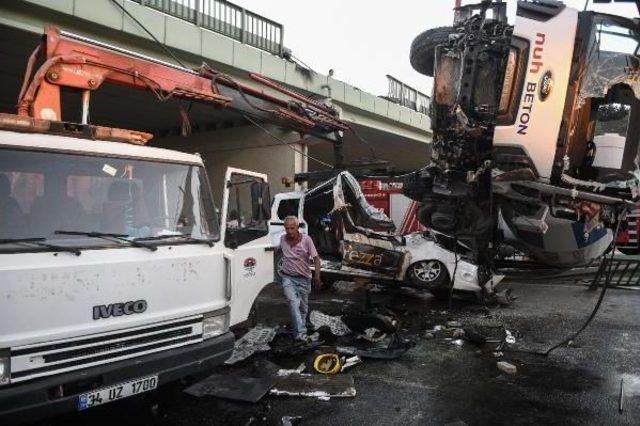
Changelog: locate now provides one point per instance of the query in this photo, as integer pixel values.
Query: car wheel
(429, 274)
(423, 49)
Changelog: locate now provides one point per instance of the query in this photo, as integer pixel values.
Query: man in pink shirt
(297, 250)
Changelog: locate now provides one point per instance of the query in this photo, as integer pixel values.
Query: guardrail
(227, 19)
(403, 94)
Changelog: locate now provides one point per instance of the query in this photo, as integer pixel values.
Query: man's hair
(291, 219)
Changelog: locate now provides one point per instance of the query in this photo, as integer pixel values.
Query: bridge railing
(225, 18)
(406, 95)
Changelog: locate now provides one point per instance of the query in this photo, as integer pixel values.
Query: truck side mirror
(260, 201)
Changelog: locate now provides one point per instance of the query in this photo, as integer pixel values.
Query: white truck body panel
(48, 299)
(251, 264)
(537, 126)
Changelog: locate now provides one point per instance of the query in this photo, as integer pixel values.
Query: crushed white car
(355, 240)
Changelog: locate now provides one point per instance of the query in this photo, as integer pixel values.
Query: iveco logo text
(119, 309)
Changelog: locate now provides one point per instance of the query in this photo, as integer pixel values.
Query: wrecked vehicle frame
(523, 120)
(357, 242)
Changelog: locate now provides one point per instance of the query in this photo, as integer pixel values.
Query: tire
(429, 275)
(423, 49)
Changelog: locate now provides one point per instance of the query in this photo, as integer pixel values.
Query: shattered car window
(613, 60)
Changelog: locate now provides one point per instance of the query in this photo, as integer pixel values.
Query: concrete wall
(245, 147)
(276, 161)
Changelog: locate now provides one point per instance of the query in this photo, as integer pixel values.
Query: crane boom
(73, 61)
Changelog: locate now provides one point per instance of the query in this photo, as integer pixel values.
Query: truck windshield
(45, 192)
(612, 58)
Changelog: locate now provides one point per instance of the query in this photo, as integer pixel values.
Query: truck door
(286, 204)
(246, 210)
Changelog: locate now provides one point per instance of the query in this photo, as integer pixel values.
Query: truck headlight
(215, 323)
(5, 367)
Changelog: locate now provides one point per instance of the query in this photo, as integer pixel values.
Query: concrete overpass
(230, 39)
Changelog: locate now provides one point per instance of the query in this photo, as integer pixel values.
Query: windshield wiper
(110, 237)
(41, 243)
(185, 238)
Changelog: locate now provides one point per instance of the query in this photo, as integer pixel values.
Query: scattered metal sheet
(350, 362)
(285, 372)
(246, 389)
(255, 340)
(376, 353)
(335, 324)
(315, 386)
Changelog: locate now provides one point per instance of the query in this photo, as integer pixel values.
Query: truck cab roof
(47, 142)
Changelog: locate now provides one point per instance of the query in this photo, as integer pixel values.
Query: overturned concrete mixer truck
(535, 124)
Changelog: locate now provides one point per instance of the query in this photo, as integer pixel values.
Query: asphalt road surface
(440, 381)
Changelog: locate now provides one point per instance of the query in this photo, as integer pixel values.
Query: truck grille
(28, 362)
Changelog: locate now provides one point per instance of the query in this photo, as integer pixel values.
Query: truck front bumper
(39, 398)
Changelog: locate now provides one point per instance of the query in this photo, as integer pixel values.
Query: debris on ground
(457, 333)
(373, 335)
(370, 324)
(509, 337)
(507, 367)
(343, 287)
(453, 324)
(335, 324)
(255, 340)
(350, 362)
(247, 389)
(290, 420)
(455, 342)
(396, 348)
(315, 386)
(285, 372)
(505, 298)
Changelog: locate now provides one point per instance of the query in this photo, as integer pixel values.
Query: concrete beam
(196, 45)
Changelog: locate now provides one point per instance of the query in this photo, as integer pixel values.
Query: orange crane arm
(76, 62)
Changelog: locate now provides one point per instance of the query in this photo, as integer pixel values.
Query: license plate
(116, 392)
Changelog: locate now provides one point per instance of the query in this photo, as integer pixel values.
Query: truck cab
(117, 273)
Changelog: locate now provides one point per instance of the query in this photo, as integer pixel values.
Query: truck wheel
(428, 274)
(423, 49)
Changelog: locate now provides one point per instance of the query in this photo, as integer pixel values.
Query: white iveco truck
(116, 275)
